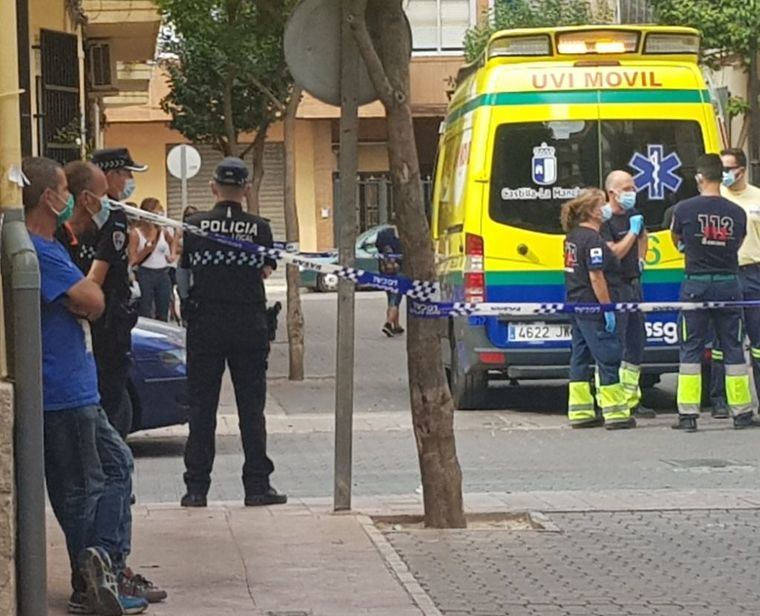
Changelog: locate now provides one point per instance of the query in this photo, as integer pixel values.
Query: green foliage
(508, 14)
(737, 106)
(729, 27)
(224, 54)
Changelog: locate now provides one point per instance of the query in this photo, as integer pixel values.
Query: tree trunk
(432, 407)
(257, 149)
(754, 115)
(295, 313)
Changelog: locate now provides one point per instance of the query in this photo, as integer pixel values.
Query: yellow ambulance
(540, 115)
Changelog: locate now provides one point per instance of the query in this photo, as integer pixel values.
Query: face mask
(627, 200)
(129, 189)
(100, 218)
(64, 215)
(729, 178)
(606, 212)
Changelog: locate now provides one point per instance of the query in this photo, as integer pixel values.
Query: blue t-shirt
(69, 378)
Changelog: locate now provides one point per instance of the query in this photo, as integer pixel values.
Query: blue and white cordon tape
(423, 296)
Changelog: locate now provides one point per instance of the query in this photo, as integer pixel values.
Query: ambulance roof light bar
(661, 43)
(597, 42)
(516, 46)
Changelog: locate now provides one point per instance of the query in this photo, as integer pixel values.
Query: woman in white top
(152, 250)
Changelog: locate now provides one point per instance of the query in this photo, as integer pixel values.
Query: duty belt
(711, 277)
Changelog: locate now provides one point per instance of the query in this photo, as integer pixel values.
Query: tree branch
(270, 95)
(358, 23)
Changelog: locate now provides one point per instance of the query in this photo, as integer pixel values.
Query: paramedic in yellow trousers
(627, 238)
(709, 230)
(592, 275)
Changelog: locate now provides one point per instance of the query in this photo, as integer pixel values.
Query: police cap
(231, 172)
(110, 159)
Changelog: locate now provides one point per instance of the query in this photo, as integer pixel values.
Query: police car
(157, 383)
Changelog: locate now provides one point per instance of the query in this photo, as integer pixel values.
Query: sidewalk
(301, 559)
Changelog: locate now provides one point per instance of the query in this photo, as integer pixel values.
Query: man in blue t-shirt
(87, 464)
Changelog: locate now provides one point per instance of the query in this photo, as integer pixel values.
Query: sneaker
(398, 330)
(644, 412)
(102, 595)
(744, 421)
(626, 424)
(193, 500)
(720, 411)
(269, 497)
(132, 605)
(588, 423)
(78, 603)
(388, 330)
(687, 423)
(135, 585)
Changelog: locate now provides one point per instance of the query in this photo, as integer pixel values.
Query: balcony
(131, 26)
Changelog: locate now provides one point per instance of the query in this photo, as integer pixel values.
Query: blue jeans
(155, 292)
(592, 343)
(88, 469)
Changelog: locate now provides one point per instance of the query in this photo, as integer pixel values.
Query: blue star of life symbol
(656, 172)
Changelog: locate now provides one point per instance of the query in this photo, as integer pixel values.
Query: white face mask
(128, 190)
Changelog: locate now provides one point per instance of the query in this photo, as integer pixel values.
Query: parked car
(157, 384)
(366, 259)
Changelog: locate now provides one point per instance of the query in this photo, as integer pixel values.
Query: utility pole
(344, 370)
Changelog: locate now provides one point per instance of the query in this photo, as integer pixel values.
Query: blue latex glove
(609, 322)
(681, 247)
(642, 265)
(636, 224)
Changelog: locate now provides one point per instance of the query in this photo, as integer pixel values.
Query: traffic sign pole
(344, 369)
(183, 174)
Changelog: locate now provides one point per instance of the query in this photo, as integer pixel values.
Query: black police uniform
(227, 322)
(112, 332)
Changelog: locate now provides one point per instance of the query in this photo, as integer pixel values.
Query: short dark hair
(710, 167)
(739, 156)
(79, 175)
(42, 174)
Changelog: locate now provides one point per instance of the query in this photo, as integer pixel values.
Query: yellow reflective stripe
(580, 403)
(689, 393)
(683, 328)
(717, 355)
(738, 393)
(612, 399)
(755, 352)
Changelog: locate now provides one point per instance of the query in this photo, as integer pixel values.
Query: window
(439, 25)
(537, 166)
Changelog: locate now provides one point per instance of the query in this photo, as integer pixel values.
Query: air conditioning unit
(101, 67)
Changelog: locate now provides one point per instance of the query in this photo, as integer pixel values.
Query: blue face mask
(129, 189)
(627, 200)
(100, 217)
(729, 178)
(606, 212)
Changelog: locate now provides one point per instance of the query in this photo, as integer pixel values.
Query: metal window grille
(439, 25)
(59, 97)
(634, 12)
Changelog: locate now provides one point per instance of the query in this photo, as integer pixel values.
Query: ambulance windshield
(537, 166)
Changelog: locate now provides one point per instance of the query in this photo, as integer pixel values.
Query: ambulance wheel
(468, 389)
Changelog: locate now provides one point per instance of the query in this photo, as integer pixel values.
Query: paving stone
(698, 563)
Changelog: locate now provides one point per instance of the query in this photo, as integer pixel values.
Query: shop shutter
(271, 195)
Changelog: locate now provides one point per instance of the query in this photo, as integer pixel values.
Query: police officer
(592, 275)
(626, 237)
(227, 322)
(711, 229)
(107, 248)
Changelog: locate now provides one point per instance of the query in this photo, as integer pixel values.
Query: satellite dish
(312, 52)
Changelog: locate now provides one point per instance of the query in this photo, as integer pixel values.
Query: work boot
(687, 423)
(744, 421)
(135, 585)
(643, 412)
(588, 423)
(193, 500)
(626, 424)
(720, 411)
(102, 594)
(270, 496)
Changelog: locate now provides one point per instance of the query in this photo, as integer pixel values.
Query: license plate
(539, 332)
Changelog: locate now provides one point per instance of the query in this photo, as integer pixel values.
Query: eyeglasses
(732, 168)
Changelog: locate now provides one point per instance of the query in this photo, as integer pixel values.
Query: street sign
(312, 51)
(191, 165)
(183, 162)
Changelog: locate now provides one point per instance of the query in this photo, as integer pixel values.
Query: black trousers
(237, 337)
(113, 360)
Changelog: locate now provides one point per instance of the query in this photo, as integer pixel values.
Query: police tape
(423, 296)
